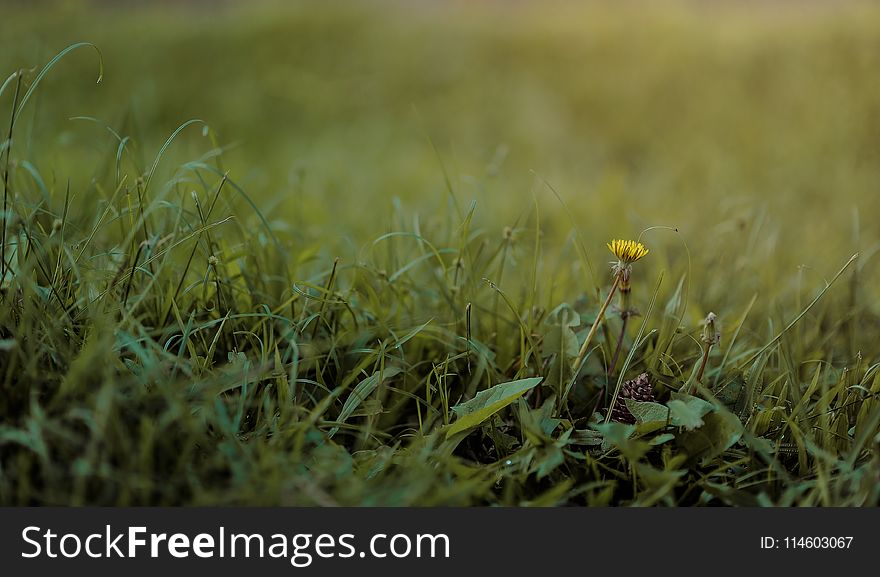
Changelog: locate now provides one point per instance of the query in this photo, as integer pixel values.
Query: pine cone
(638, 389)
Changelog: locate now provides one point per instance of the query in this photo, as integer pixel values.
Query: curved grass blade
(50, 65)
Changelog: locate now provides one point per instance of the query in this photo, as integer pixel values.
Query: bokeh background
(752, 127)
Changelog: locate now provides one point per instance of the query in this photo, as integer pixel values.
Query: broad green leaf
(649, 416)
(720, 430)
(486, 403)
(687, 410)
(563, 316)
(732, 394)
(683, 415)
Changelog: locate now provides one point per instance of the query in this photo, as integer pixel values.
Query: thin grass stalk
(584, 347)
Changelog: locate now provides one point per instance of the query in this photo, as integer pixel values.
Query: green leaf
(684, 415)
(660, 439)
(617, 435)
(687, 411)
(720, 430)
(563, 316)
(731, 394)
(548, 425)
(649, 416)
(363, 390)
(548, 461)
(402, 341)
(486, 403)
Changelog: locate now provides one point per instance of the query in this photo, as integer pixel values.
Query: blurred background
(752, 127)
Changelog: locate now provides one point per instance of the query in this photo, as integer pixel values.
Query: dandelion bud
(711, 333)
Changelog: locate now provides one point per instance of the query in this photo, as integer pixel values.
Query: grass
(377, 296)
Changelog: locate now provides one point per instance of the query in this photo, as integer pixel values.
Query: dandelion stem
(704, 362)
(616, 355)
(583, 352)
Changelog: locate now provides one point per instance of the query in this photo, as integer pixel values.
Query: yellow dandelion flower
(627, 251)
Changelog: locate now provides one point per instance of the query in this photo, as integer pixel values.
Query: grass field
(348, 253)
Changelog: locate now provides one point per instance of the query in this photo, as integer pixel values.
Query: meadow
(350, 253)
